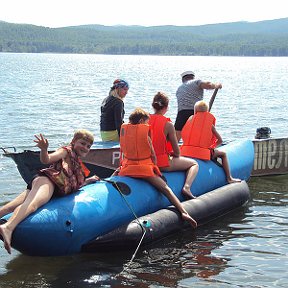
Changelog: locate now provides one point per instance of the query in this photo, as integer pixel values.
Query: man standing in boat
(188, 93)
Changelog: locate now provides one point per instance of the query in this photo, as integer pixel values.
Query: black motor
(263, 133)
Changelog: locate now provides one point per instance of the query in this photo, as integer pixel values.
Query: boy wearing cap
(188, 93)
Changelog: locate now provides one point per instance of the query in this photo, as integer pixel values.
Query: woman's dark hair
(160, 101)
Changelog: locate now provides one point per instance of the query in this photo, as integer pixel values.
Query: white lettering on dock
(116, 157)
(271, 154)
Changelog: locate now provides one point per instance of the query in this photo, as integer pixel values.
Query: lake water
(56, 94)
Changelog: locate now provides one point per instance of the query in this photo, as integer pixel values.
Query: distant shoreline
(263, 38)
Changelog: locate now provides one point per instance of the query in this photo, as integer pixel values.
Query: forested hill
(264, 38)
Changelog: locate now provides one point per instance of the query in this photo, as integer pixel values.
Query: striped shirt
(188, 94)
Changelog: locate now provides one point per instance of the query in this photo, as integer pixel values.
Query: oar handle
(212, 98)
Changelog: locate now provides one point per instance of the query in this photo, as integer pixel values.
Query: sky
(61, 13)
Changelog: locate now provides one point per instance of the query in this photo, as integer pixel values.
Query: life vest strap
(136, 159)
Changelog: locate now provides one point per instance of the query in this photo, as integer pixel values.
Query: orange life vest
(136, 151)
(161, 146)
(67, 174)
(197, 135)
(84, 168)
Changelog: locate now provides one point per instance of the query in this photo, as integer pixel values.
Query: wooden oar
(212, 98)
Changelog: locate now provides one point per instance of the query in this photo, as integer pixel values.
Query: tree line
(264, 38)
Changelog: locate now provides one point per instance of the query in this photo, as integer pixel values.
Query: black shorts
(182, 117)
(29, 186)
(212, 152)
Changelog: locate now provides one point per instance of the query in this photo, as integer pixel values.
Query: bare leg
(192, 167)
(41, 192)
(225, 165)
(178, 135)
(161, 185)
(11, 206)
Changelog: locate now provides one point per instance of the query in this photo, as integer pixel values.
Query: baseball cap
(187, 73)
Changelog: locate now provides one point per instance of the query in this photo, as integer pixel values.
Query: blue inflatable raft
(155, 226)
(65, 225)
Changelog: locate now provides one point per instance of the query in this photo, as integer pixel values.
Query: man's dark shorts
(182, 117)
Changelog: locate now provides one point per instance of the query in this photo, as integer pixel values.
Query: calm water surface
(56, 94)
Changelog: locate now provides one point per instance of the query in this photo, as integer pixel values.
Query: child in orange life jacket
(165, 144)
(200, 138)
(134, 141)
(66, 175)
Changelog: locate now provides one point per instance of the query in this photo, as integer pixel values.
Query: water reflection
(165, 263)
(277, 183)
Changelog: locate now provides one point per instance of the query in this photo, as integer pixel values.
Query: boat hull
(64, 225)
(271, 156)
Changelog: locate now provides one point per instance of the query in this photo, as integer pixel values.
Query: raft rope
(136, 218)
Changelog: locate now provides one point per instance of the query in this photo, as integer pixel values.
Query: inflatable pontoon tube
(166, 221)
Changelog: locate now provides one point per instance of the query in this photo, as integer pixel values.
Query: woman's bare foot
(187, 193)
(233, 180)
(6, 236)
(188, 218)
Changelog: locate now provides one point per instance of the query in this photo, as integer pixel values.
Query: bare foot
(233, 180)
(188, 218)
(6, 237)
(187, 193)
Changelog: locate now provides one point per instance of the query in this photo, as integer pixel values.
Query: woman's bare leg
(161, 185)
(178, 135)
(41, 192)
(191, 167)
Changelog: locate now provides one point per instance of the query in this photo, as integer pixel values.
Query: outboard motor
(263, 133)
